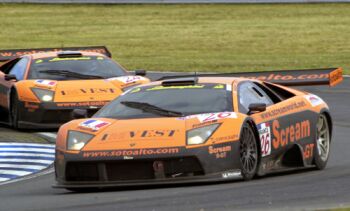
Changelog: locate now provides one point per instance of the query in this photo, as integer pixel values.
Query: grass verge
(206, 37)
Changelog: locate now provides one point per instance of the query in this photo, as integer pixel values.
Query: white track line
(26, 154)
(15, 172)
(27, 144)
(50, 135)
(31, 176)
(22, 166)
(26, 160)
(27, 149)
(4, 179)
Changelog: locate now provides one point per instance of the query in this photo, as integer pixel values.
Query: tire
(323, 141)
(14, 114)
(249, 152)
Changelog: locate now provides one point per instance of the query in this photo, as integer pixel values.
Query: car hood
(140, 133)
(113, 134)
(79, 90)
(92, 90)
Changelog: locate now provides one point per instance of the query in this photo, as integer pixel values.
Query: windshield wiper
(71, 74)
(152, 108)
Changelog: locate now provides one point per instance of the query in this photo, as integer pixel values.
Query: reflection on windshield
(87, 67)
(184, 100)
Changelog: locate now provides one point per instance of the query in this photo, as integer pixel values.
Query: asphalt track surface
(301, 190)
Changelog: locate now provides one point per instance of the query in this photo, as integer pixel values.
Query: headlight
(200, 135)
(77, 140)
(43, 94)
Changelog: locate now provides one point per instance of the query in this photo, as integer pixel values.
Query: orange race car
(40, 88)
(199, 128)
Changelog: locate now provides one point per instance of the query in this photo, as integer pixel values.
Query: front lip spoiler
(228, 175)
(33, 125)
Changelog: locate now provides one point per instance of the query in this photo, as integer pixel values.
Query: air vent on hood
(69, 54)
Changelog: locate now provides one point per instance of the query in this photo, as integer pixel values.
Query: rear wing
(326, 76)
(6, 55)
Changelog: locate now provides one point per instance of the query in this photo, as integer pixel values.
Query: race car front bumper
(48, 115)
(188, 166)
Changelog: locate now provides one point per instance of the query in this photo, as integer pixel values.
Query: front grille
(62, 116)
(132, 170)
(82, 172)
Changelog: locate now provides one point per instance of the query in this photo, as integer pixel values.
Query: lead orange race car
(40, 88)
(199, 128)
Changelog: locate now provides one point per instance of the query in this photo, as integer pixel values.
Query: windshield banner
(326, 76)
(6, 55)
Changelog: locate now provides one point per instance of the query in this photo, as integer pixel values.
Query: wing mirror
(256, 108)
(140, 72)
(10, 77)
(79, 113)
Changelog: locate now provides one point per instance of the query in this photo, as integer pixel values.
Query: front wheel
(323, 140)
(248, 150)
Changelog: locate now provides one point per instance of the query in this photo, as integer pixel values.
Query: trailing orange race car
(39, 88)
(199, 128)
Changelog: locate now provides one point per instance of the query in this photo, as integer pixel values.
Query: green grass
(191, 37)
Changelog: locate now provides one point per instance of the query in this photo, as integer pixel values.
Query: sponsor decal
(309, 151)
(91, 104)
(281, 110)
(204, 124)
(131, 152)
(211, 116)
(88, 91)
(94, 124)
(45, 83)
(231, 174)
(128, 158)
(176, 87)
(151, 133)
(265, 138)
(314, 100)
(31, 105)
(289, 134)
(286, 77)
(272, 164)
(219, 86)
(127, 79)
(224, 138)
(57, 59)
(219, 152)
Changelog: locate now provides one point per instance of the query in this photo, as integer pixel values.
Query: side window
(5, 68)
(251, 93)
(19, 68)
(271, 94)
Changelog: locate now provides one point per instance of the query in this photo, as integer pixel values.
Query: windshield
(157, 101)
(74, 68)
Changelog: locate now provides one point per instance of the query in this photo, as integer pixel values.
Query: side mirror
(79, 113)
(140, 72)
(256, 107)
(10, 77)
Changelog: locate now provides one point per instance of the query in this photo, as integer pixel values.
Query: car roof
(54, 54)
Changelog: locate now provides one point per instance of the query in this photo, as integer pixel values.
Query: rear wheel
(14, 114)
(323, 140)
(249, 156)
